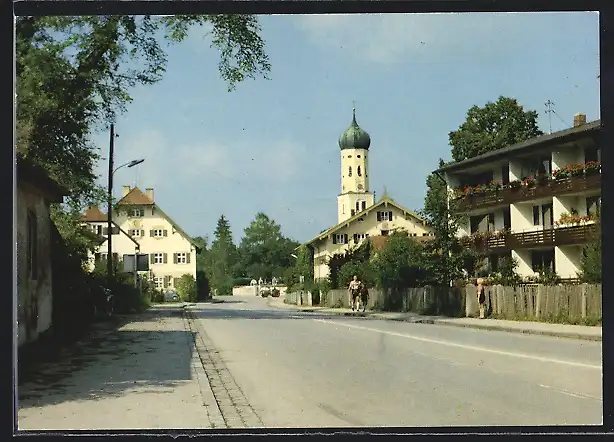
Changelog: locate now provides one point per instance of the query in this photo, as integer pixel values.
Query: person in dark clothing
(481, 292)
(364, 296)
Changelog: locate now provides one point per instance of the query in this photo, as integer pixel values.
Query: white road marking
(570, 393)
(466, 347)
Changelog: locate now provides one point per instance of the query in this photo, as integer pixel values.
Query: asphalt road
(310, 370)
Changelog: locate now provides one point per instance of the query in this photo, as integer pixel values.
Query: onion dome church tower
(355, 195)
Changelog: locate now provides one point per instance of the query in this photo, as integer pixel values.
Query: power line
(563, 121)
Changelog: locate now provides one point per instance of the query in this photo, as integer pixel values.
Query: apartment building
(536, 201)
(140, 224)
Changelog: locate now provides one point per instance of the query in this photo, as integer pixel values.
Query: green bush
(186, 288)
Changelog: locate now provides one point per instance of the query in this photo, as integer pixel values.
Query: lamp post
(110, 200)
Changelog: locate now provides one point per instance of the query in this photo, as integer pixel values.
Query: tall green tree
(492, 127)
(222, 258)
(265, 252)
(590, 269)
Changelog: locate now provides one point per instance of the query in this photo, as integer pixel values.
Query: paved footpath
(146, 375)
(529, 327)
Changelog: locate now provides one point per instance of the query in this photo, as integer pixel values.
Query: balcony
(509, 195)
(503, 241)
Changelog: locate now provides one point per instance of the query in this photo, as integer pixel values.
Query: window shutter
(165, 232)
(187, 257)
(355, 237)
(151, 233)
(115, 230)
(105, 231)
(167, 281)
(390, 216)
(174, 258)
(379, 216)
(345, 238)
(142, 232)
(152, 258)
(165, 258)
(334, 238)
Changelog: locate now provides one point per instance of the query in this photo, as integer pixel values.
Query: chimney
(149, 193)
(579, 120)
(125, 191)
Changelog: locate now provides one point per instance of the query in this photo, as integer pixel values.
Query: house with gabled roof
(360, 217)
(137, 219)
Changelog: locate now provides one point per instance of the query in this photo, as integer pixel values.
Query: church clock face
(360, 187)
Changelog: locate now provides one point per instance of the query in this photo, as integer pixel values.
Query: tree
(186, 287)
(492, 127)
(304, 263)
(264, 251)
(360, 254)
(222, 258)
(590, 269)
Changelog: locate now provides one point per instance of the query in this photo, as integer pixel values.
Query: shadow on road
(111, 362)
(212, 313)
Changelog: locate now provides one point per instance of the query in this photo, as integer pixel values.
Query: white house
(139, 220)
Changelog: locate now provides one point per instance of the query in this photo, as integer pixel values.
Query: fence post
(538, 301)
(583, 288)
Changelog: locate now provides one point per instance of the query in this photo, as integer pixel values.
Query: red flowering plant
(573, 219)
(515, 184)
(592, 167)
(494, 186)
(529, 181)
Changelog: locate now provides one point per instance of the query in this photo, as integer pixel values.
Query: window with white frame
(158, 258)
(340, 238)
(135, 232)
(157, 233)
(360, 236)
(159, 282)
(136, 212)
(384, 216)
(181, 258)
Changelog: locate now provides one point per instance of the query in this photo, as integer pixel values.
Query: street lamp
(110, 200)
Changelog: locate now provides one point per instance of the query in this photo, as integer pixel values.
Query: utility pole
(549, 110)
(110, 206)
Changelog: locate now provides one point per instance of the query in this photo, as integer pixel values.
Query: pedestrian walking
(354, 292)
(481, 292)
(364, 296)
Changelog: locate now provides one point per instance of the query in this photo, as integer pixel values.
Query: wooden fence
(566, 302)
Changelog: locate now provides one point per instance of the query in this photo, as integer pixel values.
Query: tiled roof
(93, 214)
(135, 197)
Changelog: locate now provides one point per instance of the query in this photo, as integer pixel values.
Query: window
(357, 206)
(547, 216)
(114, 230)
(363, 205)
(340, 238)
(350, 171)
(507, 218)
(384, 216)
(181, 258)
(358, 171)
(542, 259)
(97, 229)
(593, 205)
(157, 258)
(359, 237)
(159, 282)
(158, 233)
(482, 223)
(384, 232)
(136, 233)
(591, 154)
(136, 212)
(505, 174)
(343, 209)
(352, 212)
(32, 246)
(536, 215)
(357, 156)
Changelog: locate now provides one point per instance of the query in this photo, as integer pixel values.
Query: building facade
(35, 192)
(359, 216)
(536, 201)
(140, 224)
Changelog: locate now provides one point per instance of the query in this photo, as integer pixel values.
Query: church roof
(354, 137)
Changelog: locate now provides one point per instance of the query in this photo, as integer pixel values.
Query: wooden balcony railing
(508, 195)
(561, 236)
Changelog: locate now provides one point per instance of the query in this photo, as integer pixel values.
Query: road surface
(306, 370)
(241, 364)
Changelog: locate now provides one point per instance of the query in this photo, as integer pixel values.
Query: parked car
(275, 293)
(171, 296)
(265, 292)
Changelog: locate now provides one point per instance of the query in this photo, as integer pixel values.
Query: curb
(570, 335)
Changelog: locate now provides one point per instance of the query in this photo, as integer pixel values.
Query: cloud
(391, 38)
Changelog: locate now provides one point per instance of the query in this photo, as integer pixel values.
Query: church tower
(355, 195)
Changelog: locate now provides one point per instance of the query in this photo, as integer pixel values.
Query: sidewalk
(145, 375)
(528, 327)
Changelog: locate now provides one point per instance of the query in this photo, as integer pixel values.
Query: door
(547, 216)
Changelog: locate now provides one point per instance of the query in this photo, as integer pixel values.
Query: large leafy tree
(492, 127)
(75, 74)
(265, 252)
(221, 258)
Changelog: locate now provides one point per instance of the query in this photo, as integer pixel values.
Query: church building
(359, 216)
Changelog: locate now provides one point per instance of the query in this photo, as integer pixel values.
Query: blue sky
(271, 145)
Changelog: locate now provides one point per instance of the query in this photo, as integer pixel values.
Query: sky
(272, 145)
